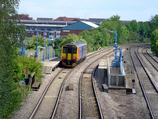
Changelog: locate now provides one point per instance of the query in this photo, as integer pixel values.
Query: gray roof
(97, 21)
(45, 19)
(90, 24)
(125, 21)
(81, 25)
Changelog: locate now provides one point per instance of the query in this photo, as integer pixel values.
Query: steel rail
(150, 61)
(44, 92)
(57, 101)
(80, 101)
(147, 73)
(40, 100)
(61, 88)
(146, 99)
(100, 111)
(151, 56)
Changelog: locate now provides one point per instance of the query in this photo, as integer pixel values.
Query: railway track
(49, 99)
(150, 59)
(150, 74)
(48, 109)
(114, 104)
(151, 55)
(88, 100)
(47, 104)
(149, 92)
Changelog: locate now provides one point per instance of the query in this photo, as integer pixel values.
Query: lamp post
(53, 42)
(44, 47)
(48, 45)
(116, 60)
(37, 44)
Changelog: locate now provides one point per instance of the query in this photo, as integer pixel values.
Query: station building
(55, 28)
(51, 28)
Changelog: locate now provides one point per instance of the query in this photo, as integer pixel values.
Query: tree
(115, 18)
(11, 37)
(114, 24)
(156, 47)
(154, 42)
(125, 35)
(135, 26)
(71, 38)
(144, 29)
(88, 36)
(154, 22)
(32, 44)
(128, 25)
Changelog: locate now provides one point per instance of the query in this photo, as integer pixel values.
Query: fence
(40, 53)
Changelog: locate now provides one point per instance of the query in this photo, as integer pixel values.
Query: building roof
(24, 17)
(81, 25)
(45, 19)
(90, 24)
(125, 21)
(97, 21)
(66, 19)
(46, 22)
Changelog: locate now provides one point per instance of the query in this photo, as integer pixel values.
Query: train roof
(78, 43)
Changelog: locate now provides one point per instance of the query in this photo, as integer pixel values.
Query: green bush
(154, 42)
(31, 64)
(11, 97)
(58, 52)
(10, 103)
(32, 44)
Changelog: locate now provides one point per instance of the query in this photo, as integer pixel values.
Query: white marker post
(22, 84)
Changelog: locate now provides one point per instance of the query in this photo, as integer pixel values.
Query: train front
(69, 55)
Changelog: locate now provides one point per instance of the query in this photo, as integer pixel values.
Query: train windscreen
(70, 50)
(74, 50)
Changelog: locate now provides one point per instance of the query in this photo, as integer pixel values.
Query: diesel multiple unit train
(73, 53)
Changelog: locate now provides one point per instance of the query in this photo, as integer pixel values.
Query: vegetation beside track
(154, 42)
(11, 65)
(31, 64)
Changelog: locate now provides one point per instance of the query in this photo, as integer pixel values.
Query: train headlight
(74, 57)
(63, 57)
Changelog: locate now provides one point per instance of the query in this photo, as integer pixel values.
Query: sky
(139, 10)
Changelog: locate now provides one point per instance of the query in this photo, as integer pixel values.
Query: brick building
(66, 19)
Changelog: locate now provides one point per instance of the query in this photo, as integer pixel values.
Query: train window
(80, 50)
(84, 48)
(69, 49)
(74, 50)
(64, 49)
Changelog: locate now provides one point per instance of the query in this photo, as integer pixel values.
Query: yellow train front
(73, 53)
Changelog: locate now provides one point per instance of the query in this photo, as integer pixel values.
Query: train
(73, 53)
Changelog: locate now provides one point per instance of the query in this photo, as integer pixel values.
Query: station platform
(111, 75)
(50, 65)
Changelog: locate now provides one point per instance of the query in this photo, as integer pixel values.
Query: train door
(82, 51)
(69, 53)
